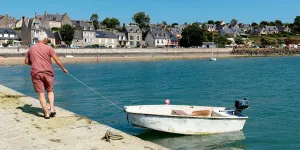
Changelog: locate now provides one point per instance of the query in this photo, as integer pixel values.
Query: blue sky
(179, 11)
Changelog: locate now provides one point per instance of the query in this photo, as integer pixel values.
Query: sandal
(46, 117)
(52, 114)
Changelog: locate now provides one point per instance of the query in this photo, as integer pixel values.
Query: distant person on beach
(39, 58)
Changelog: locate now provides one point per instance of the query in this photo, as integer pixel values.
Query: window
(105, 40)
(112, 41)
(84, 40)
(5, 35)
(157, 41)
(11, 35)
(131, 38)
(1, 35)
(131, 43)
(138, 38)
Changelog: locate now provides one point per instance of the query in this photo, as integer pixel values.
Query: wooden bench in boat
(200, 113)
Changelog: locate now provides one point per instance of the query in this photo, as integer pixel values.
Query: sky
(171, 11)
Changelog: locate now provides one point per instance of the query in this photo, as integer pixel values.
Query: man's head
(43, 38)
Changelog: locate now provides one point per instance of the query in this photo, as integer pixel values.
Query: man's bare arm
(59, 63)
(27, 62)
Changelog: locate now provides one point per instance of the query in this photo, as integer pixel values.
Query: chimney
(35, 15)
(45, 13)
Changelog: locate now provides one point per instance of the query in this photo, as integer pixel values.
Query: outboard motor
(240, 105)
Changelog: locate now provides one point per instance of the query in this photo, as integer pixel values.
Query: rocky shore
(266, 51)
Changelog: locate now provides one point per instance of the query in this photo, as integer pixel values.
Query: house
(284, 29)
(122, 39)
(209, 45)
(245, 27)
(51, 37)
(7, 34)
(7, 21)
(155, 27)
(107, 39)
(271, 29)
(258, 31)
(88, 33)
(157, 38)
(50, 21)
(210, 27)
(20, 22)
(175, 31)
(134, 35)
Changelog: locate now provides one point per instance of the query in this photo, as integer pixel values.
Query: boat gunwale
(193, 117)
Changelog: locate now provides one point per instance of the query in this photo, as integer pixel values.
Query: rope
(93, 90)
(110, 136)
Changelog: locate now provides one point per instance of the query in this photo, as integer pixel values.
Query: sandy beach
(16, 61)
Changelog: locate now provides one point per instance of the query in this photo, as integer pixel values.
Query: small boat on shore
(188, 120)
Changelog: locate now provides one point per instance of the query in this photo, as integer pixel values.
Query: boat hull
(187, 125)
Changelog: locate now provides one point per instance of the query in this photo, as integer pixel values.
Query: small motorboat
(188, 120)
(212, 58)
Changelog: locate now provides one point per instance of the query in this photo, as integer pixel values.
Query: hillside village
(25, 31)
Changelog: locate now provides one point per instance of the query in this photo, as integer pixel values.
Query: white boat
(212, 57)
(188, 120)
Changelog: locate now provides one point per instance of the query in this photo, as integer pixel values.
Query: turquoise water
(271, 85)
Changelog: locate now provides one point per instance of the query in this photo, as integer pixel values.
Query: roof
(85, 25)
(7, 30)
(160, 34)
(49, 34)
(55, 17)
(105, 34)
(271, 28)
(282, 28)
(155, 27)
(121, 34)
(175, 30)
(133, 29)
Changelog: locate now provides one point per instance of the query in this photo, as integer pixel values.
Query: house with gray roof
(84, 31)
(271, 29)
(122, 39)
(284, 29)
(107, 39)
(30, 32)
(245, 27)
(210, 27)
(134, 35)
(258, 31)
(7, 34)
(7, 21)
(157, 38)
(50, 21)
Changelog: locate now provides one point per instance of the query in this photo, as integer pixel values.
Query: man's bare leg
(43, 104)
(51, 100)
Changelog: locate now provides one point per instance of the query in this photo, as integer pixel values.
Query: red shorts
(42, 81)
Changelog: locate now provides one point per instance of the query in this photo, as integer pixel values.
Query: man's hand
(65, 70)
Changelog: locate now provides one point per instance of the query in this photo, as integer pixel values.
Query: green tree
(218, 22)
(192, 35)
(67, 33)
(264, 23)
(123, 27)
(174, 24)
(278, 23)
(266, 41)
(143, 20)
(254, 24)
(94, 18)
(210, 22)
(239, 41)
(233, 21)
(111, 22)
(296, 25)
(222, 41)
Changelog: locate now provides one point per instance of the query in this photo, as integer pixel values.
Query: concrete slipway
(23, 127)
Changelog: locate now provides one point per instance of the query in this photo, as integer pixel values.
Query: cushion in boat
(178, 112)
(202, 113)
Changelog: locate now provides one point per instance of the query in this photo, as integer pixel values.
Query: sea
(271, 84)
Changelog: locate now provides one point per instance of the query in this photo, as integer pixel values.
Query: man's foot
(47, 116)
(52, 114)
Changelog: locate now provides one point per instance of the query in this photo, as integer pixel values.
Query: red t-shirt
(40, 57)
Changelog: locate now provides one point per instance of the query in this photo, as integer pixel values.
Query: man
(39, 58)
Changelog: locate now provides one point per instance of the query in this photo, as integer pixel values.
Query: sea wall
(21, 52)
(265, 51)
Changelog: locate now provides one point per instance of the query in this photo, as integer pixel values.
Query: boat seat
(202, 113)
(179, 112)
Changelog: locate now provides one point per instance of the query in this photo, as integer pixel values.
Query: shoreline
(23, 127)
(19, 61)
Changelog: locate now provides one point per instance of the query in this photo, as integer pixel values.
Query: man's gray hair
(42, 36)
